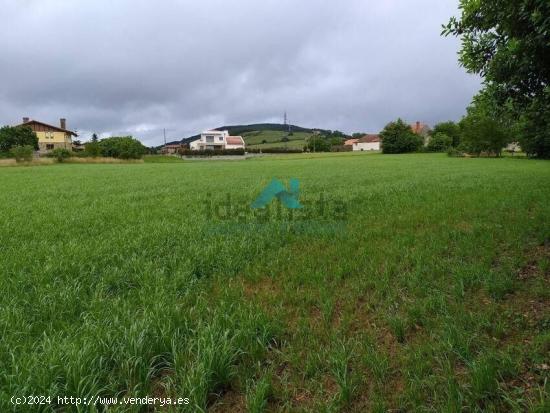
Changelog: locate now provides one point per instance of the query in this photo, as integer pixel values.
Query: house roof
(214, 131)
(173, 145)
(351, 141)
(369, 139)
(57, 128)
(234, 140)
(419, 127)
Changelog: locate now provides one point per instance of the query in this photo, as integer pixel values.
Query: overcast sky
(138, 66)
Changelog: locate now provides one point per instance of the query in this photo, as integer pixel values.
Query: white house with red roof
(217, 140)
(368, 143)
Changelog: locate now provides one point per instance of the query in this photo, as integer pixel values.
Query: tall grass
(431, 296)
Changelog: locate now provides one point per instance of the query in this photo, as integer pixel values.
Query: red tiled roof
(234, 140)
(418, 127)
(351, 141)
(57, 128)
(369, 139)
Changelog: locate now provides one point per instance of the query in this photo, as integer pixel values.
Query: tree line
(20, 142)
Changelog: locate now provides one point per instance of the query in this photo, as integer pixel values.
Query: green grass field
(294, 144)
(162, 159)
(273, 139)
(427, 291)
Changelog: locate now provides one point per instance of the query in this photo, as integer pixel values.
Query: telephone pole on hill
(287, 129)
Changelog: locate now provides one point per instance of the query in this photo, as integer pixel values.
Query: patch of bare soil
(534, 257)
(230, 401)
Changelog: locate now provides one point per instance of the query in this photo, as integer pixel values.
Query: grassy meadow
(428, 291)
(273, 139)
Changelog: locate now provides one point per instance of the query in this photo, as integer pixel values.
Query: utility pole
(164, 136)
(287, 130)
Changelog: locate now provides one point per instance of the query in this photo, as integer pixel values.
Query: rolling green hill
(263, 135)
(271, 138)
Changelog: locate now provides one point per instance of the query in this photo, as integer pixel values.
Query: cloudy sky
(138, 66)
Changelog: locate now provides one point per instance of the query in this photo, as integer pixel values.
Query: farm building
(49, 136)
(171, 149)
(217, 140)
(368, 143)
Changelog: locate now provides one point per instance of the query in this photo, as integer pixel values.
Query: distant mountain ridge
(237, 130)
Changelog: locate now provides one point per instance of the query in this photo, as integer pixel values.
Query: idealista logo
(276, 203)
(276, 189)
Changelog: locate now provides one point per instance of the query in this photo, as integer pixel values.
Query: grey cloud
(140, 66)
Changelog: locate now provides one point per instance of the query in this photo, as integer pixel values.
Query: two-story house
(49, 136)
(217, 140)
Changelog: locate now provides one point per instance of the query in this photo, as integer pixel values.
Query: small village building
(171, 149)
(51, 137)
(368, 143)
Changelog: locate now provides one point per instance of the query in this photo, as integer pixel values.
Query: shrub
(439, 142)
(285, 139)
(342, 148)
(92, 149)
(455, 153)
(22, 153)
(482, 134)
(281, 150)
(17, 136)
(398, 137)
(123, 147)
(450, 129)
(318, 144)
(60, 154)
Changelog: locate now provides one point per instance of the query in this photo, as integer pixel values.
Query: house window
(49, 146)
(220, 138)
(210, 139)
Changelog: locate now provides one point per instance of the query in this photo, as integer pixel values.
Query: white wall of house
(366, 146)
(195, 145)
(213, 139)
(210, 139)
(234, 146)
